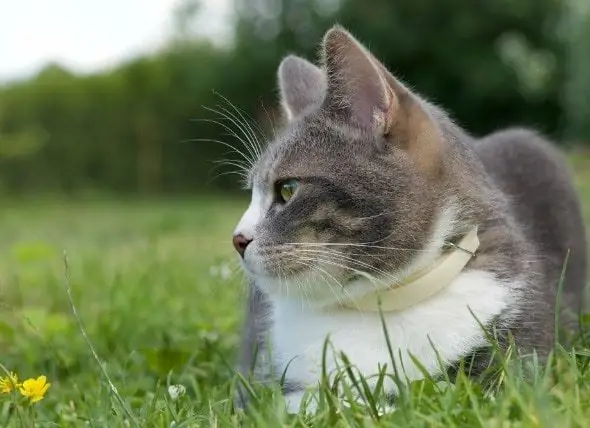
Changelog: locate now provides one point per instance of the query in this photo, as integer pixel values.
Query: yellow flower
(9, 383)
(35, 389)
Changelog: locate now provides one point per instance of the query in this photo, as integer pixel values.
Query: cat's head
(349, 194)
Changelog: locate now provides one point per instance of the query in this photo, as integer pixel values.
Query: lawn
(157, 289)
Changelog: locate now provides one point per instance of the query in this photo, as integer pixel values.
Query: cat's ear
(302, 84)
(356, 85)
(363, 92)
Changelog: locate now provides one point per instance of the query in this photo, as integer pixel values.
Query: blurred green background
(491, 63)
(116, 167)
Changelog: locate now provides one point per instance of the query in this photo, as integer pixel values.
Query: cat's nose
(240, 243)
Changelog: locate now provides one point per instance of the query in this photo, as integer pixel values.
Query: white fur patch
(252, 215)
(445, 321)
(259, 204)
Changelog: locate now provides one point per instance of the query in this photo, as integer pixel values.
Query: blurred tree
(576, 35)
(491, 63)
(184, 17)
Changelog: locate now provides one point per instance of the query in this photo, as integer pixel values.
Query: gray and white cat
(370, 190)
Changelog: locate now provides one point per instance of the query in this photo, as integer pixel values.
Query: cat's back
(536, 178)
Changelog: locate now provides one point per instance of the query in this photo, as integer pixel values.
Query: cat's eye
(286, 189)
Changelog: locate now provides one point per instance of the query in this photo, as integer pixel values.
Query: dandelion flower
(35, 389)
(9, 383)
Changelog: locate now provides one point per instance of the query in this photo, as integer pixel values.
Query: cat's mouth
(293, 267)
(273, 264)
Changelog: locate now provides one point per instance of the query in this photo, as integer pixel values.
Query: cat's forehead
(304, 148)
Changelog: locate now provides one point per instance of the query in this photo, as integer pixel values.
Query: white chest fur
(446, 321)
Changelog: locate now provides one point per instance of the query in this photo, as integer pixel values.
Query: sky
(89, 35)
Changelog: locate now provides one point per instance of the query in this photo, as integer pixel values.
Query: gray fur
(302, 85)
(535, 177)
(385, 181)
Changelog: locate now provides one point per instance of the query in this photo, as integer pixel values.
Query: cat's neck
(421, 285)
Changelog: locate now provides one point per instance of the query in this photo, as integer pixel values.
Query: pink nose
(240, 243)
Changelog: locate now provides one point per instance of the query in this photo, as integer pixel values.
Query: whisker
(348, 259)
(283, 280)
(237, 163)
(303, 246)
(340, 285)
(224, 115)
(231, 133)
(305, 286)
(335, 263)
(228, 129)
(248, 120)
(376, 215)
(245, 140)
(211, 140)
(274, 132)
(323, 272)
(242, 176)
(340, 256)
(365, 274)
(240, 165)
(345, 244)
(244, 126)
(243, 123)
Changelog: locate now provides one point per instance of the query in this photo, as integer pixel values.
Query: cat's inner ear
(302, 85)
(357, 87)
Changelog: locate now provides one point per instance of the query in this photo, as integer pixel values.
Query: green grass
(153, 285)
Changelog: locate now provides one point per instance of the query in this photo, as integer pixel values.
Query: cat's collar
(425, 283)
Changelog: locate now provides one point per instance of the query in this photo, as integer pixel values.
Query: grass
(155, 287)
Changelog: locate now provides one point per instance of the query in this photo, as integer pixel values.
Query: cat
(372, 200)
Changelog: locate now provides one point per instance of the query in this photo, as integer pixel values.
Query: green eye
(287, 190)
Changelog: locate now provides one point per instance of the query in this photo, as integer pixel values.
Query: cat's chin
(313, 289)
(323, 285)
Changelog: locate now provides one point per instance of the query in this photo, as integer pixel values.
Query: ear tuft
(302, 85)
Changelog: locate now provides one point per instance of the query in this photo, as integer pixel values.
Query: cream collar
(423, 284)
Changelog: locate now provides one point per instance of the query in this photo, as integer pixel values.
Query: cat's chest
(444, 322)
